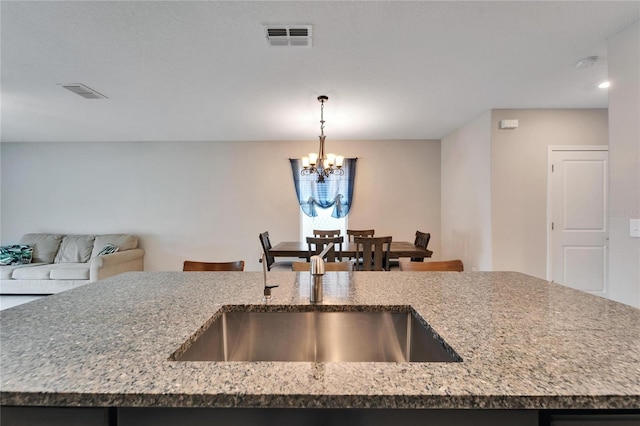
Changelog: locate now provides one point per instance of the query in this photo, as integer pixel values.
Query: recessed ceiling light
(604, 85)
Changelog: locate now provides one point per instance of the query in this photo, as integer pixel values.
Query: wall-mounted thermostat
(508, 124)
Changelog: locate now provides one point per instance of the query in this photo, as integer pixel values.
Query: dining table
(397, 250)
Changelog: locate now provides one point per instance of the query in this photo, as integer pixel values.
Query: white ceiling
(183, 70)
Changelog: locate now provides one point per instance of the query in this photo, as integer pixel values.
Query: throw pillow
(123, 241)
(108, 249)
(15, 254)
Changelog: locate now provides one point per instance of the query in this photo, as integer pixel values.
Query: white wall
(494, 185)
(624, 164)
(519, 179)
(466, 194)
(206, 200)
(398, 188)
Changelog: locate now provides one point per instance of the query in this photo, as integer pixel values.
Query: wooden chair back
(328, 266)
(422, 240)
(445, 265)
(359, 233)
(190, 265)
(317, 244)
(265, 242)
(326, 233)
(377, 249)
(266, 246)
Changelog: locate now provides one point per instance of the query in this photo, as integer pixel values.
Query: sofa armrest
(107, 265)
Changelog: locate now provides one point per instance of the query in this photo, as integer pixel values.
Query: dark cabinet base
(132, 416)
(333, 417)
(57, 416)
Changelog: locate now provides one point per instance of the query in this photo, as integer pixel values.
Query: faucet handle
(317, 265)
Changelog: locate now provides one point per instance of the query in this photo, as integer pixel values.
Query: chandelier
(321, 164)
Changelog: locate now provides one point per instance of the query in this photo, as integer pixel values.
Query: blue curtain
(335, 191)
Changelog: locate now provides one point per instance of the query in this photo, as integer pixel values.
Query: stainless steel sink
(238, 334)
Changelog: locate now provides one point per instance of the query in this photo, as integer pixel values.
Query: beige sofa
(62, 262)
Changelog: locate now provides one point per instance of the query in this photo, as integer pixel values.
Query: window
(319, 202)
(322, 221)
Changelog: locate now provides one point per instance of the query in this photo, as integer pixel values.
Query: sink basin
(396, 334)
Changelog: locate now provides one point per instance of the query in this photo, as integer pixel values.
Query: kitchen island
(529, 348)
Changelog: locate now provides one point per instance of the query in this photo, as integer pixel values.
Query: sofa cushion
(70, 271)
(45, 246)
(33, 272)
(53, 271)
(6, 271)
(74, 249)
(122, 241)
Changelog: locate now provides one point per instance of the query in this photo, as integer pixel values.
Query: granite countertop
(525, 343)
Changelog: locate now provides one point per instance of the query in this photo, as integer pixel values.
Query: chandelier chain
(322, 117)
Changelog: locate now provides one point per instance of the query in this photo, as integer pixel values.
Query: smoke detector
(288, 35)
(587, 62)
(84, 91)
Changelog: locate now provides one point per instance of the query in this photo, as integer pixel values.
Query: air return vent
(288, 35)
(84, 91)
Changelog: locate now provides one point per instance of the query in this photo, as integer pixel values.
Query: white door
(578, 233)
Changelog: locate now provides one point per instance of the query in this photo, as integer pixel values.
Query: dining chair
(326, 233)
(375, 248)
(317, 244)
(359, 233)
(422, 240)
(351, 233)
(271, 261)
(444, 265)
(328, 266)
(190, 265)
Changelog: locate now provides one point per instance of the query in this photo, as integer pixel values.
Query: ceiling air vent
(84, 91)
(288, 35)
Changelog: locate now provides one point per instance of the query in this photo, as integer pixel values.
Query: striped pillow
(108, 249)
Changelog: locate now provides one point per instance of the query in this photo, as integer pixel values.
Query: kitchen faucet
(316, 269)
